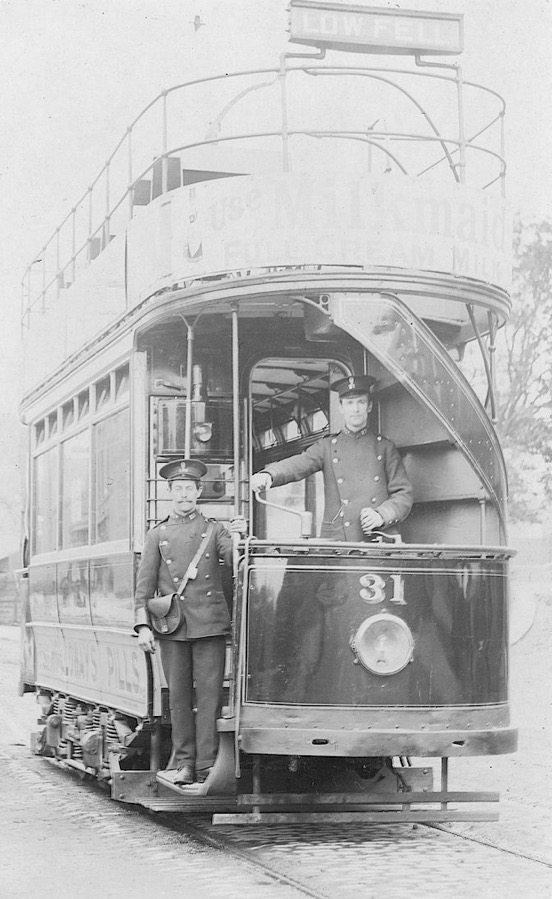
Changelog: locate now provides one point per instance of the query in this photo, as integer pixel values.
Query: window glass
(75, 463)
(73, 594)
(52, 424)
(112, 477)
(68, 414)
(122, 382)
(83, 403)
(45, 502)
(103, 391)
(40, 433)
(211, 428)
(111, 590)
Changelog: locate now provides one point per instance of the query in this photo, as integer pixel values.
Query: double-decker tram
(202, 306)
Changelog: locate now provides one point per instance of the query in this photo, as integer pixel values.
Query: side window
(75, 494)
(112, 477)
(45, 501)
(81, 469)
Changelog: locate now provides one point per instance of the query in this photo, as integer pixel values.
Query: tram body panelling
(303, 614)
(232, 304)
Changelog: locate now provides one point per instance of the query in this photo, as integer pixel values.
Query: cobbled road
(61, 834)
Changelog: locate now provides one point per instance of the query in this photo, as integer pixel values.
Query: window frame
(42, 442)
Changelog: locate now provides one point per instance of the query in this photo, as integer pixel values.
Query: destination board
(374, 30)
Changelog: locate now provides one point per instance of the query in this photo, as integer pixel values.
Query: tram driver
(366, 487)
(186, 548)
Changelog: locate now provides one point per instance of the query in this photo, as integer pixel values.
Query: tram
(202, 305)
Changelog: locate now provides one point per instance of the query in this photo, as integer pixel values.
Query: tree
(524, 376)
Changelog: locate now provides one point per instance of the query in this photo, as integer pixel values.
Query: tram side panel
(79, 651)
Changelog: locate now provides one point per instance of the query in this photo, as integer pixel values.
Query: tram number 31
(373, 588)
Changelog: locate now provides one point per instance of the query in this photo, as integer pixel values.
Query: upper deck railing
(307, 117)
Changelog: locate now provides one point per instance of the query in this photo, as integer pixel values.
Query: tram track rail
(228, 840)
(222, 843)
(492, 844)
(315, 860)
(221, 837)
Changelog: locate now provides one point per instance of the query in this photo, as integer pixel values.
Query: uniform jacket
(168, 550)
(360, 469)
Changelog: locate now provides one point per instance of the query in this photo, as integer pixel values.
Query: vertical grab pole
(236, 408)
(237, 485)
(189, 362)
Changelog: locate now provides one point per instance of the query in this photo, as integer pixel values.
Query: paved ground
(60, 836)
(76, 839)
(524, 779)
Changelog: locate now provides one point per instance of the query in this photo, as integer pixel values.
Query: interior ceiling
(276, 382)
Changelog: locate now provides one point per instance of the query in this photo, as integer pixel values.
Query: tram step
(324, 799)
(373, 817)
(203, 805)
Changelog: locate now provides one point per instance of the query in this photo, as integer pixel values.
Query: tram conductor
(366, 487)
(195, 652)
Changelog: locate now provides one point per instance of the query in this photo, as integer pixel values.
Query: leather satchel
(166, 611)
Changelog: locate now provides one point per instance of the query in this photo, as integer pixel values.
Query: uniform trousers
(185, 663)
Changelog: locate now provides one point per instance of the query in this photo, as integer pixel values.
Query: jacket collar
(355, 434)
(181, 518)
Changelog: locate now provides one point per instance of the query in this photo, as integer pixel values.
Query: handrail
(70, 229)
(346, 135)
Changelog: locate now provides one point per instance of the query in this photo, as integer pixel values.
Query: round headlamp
(383, 644)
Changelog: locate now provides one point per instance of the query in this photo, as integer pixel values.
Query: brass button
(379, 458)
(374, 499)
(340, 480)
(176, 579)
(207, 576)
(169, 561)
(347, 524)
(342, 514)
(376, 477)
(206, 555)
(209, 593)
(346, 502)
(335, 460)
(334, 440)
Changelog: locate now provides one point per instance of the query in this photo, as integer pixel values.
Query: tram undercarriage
(120, 753)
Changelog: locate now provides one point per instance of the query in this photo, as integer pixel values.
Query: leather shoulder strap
(190, 571)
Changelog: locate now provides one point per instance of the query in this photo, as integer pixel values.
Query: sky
(76, 72)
